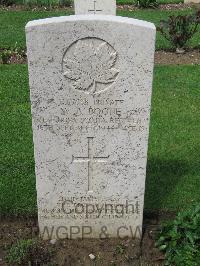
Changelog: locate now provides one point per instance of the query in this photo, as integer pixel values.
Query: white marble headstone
(90, 83)
(191, 1)
(98, 7)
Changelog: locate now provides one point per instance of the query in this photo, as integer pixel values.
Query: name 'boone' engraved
(90, 79)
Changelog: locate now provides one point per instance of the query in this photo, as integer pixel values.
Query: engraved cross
(90, 159)
(94, 10)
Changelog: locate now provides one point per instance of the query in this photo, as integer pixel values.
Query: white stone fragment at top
(97, 7)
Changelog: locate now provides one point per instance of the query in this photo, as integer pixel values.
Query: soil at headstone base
(125, 7)
(76, 252)
(190, 57)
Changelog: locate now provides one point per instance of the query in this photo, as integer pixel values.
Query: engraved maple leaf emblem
(90, 62)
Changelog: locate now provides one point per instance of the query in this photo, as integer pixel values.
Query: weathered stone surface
(90, 83)
(192, 1)
(99, 7)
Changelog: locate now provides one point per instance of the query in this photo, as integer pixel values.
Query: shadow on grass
(162, 178)
(17, 186)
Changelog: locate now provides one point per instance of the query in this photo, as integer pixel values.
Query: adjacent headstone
(98, 7)
(90, 83)
(191, 1)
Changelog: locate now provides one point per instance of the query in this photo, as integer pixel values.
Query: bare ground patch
(179, 6)
(190, 57)
(76, 252)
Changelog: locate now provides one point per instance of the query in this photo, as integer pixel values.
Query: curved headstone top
(74, 18)
(90, 83)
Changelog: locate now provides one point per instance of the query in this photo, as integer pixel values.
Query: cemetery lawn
(12, 24)
(173, 160)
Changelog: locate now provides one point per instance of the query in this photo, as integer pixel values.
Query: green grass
(173, 179)
(173, 175)
(17, 179)
(12, 24)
